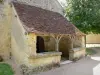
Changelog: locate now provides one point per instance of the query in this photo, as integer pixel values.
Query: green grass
(5, 69)
(90, 51)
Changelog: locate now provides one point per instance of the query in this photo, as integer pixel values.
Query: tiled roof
(38, 20)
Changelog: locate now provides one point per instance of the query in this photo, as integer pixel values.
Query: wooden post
(57, 40)
(57, 45)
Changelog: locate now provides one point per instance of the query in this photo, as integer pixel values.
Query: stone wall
(70, 48)
(41, 63)
(24, 46)
(5, 27)
(46, 58)
(49, 43)
(93, 39)
(77, 53)
(20, 50)
(65, 46)
(31, 40)
(77, 42)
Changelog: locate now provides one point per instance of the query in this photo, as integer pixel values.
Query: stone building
(39, 36)
(5, 27)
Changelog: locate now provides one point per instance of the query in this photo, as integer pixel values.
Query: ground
(89, 65)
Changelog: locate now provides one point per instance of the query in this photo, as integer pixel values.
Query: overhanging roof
(38, 20)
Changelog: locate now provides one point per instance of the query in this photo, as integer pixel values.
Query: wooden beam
(57, 40)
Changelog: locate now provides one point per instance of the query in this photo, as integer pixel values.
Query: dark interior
(64, 47)
(40, 44)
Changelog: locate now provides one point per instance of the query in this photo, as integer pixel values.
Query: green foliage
(85, 14)
(5, 69)
(90, 51)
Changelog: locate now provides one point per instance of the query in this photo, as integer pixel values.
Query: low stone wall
(46, 58)
(25, 70)
(77, 53)
(42, 62)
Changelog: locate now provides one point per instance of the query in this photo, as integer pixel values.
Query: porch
(53, 48)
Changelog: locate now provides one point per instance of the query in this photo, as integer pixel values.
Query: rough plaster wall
(5, 27)
(52, 5)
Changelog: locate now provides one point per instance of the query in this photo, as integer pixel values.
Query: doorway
(64, 47)
(40, 44)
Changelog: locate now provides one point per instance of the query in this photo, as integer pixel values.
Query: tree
(85, 14)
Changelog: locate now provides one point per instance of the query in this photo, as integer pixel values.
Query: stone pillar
(32, 43)
(71, 51)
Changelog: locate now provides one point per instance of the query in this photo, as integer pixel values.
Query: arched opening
(64, 47)
(40, 44)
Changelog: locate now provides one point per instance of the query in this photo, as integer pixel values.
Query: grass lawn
(90, 51)
(5, 69)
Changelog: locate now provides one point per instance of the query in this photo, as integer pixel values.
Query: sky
(63, 2)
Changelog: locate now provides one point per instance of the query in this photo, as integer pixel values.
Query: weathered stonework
(77, 53)
(5, 30)
(31, 71)
(49, 57)
(31, 40)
